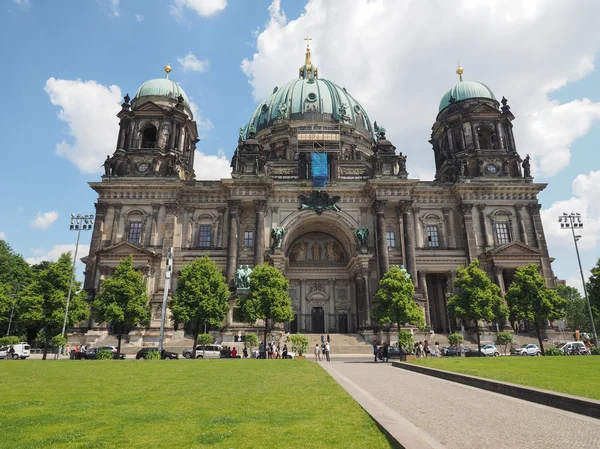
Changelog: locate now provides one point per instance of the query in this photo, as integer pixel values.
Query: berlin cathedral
(319, 192)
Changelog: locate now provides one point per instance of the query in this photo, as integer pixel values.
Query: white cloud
(400, 76)
(2, 235)
(90, 109)
(52, 255)
(575, 282)
(584, 201)
(23, 3)
(113, 5)
(210, 166)
(190, 62)
(203, 8)
(139, 18)
(44, 220)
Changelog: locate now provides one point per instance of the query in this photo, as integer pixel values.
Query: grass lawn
(577, 375)
(178, 404)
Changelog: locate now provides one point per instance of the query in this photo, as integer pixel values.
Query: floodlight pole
(12, 311)
(163, 315)
(572, 224)
(78, 223)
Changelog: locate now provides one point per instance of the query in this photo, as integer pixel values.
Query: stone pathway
(425, 412)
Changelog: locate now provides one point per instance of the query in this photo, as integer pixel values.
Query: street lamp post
(12, 311)
(78, 223)
(573, 221)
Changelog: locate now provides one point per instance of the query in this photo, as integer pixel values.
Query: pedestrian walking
(328, 339)
(285, 352)
(327, 348)
(375, 351)
(384, 352)
(317, 353)
(436, 350)
(427, 349)
(245, 352)
(420, 350)
(322, 338)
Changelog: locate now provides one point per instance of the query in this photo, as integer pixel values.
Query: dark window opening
(502, 233)
(149, 137)
(433, 236)
(391, 239)
(248, 239)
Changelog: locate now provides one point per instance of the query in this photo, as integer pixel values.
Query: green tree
(394, 301)
(406, 340)
(15, 275)
(504, 339)
(529, 299)
(122, 300)
(251, 341)
(593, 291)
(268, 298)
(41, 305)
(477, 297)
(455, 339)
(299, 343)
(201, 296)
(577, 315)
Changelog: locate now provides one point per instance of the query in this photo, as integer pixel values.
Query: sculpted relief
(317, 248)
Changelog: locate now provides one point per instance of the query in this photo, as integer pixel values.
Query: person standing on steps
(322, 338)
(375, 351)
(327, 348)
(328, 339)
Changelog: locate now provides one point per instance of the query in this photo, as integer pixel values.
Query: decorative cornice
(466, 208)
(172, 208)
(101, 209)
(261, 205)
(234, 206)
(379, 206)
(534, 209)
(481, 206)
(404, 207)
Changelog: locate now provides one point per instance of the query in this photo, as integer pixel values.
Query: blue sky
(68, 63)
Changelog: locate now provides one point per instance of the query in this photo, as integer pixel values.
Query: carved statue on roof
(241, 134)
(379, 131)
(362, 234)
(526, 167)
(282, 111)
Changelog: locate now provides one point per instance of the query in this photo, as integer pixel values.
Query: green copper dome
(463, 90)
(313, 99)
(162, 87)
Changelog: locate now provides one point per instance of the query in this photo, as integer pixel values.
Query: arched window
(502, 223)
(149, 137)
(432, 231)
(484, 135)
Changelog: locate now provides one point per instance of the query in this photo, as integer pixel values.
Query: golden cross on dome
(460, 71)
(308, 39)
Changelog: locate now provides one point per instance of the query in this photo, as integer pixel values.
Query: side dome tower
(157, 133)
(472, 136)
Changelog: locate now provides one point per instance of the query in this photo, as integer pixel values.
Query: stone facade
(333, 257)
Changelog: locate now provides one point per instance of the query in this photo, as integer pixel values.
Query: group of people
(230, 353)
(323, 349)
(272, 350)
(424, 349)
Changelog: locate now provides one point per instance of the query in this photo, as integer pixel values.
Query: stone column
(364, 272)
(332, 302)
(499, 136)
(172, 135)
(521, 224)
(232, 244)
(449, 228)
(423, 288)
(302, 319)
(419, 243)
(488, 240)
(475, 137)
(116, 221)
(259, 239)
(98, 232)
(409, 238)
(498, 270)
(171, 210)
(154, 225)
(147, 230)
(186, 234)
(384, 264)
(400, 243)
(120, 136)
(469, 231)
(181, 137)
(534, 211)
(450, 139)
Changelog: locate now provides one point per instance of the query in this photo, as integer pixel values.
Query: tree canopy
(577, 316)
(528, 298)
(15, 275)
(41, 305)
(593, 291)
(123, 300)
(394, 301)
(268, 298)
(476, 298)
(201, 297)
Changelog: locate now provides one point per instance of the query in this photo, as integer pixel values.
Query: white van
(22, 351)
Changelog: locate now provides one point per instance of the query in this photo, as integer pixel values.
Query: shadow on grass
(393, 442)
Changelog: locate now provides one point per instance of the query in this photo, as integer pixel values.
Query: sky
(68, 64)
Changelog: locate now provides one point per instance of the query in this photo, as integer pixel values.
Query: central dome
(310, 99)
(464, 90)
(162, 87)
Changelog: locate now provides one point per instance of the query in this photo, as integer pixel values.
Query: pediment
(149, 106)
(485, 109)
(124, 249)
(513, 249)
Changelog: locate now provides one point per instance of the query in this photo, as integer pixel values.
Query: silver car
(490, 350)
(530, 349)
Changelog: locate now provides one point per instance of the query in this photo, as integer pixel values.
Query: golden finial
(167, 69)
(460, 71)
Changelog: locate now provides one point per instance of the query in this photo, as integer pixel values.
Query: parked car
(143, 353)
(22, 351)
(530, 349)
(204, 352)
(454, 351)
(92, 353)
(490, 350)
(394, 352)
(575, 348)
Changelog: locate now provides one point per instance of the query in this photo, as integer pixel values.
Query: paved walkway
(426, 412)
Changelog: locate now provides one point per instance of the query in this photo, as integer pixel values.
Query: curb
(574, 404)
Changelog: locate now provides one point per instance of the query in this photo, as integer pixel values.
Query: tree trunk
(119, 336)
(266, 332)
(478, 339)
(539, 336)
(46, 341)
(195, 343)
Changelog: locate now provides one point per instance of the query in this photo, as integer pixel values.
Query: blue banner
(319, 169)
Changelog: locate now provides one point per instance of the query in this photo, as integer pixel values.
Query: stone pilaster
(221, 226)
(469, 231)
(423, 288)
(154, 239)
(475, 137)
(449, 228)
(534, 211)
(232, 244)
(488, 240)
(404, 210)
(118, 207)
(499, 272)
(259, 229)
(171, 210)
(521, 224)
(384, 264)
(419, 242)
